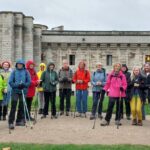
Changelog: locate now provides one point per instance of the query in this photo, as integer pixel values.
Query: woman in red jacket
(81, 78)
(34, 82)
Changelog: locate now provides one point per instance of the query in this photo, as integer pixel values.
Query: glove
(21, 86)
(65, 79)
(121, 89)
(52, 82)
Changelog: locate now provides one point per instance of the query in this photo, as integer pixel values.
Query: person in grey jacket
(98, 81)
(65, 85)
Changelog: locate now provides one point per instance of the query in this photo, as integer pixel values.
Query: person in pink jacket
(116, 85)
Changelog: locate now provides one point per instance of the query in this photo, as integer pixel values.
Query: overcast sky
(85, 14)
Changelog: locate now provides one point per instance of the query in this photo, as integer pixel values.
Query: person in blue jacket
(98, 81)
(19, 80)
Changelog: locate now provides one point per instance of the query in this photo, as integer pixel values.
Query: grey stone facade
(21, 38)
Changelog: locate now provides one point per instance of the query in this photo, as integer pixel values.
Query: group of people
(121, 86)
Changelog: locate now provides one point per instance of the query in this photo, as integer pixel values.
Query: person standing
(81, 78)
(138, 85)
(145, 73)
(40, 91)
(127, 98)
(116, 85)
(19, 81)
(98, 81)
(5, 72)
(65, 86)
(31, 90)
(49, 81)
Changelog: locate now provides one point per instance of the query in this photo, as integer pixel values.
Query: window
(109, 60)
(147, 58)
(71, 59)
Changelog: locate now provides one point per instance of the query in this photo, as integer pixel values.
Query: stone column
(18, 36)
(37, 44)
(28, 37)
(7, 36)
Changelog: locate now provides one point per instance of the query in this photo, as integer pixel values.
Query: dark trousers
(3, 109)
(96, 97)
(29, 104)
(20, 115)
(148, 96)
(65, 94)
(50, 96)
(127, 106)
(112, 102)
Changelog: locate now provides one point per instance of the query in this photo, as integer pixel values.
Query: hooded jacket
(6, 74)
(34, 79)
(19, 76)
(2, 87)
(84, 75)
(49, 79)
(98, 75)
(39, 74)
(113, 84)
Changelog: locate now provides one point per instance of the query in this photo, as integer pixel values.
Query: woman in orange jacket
(81, 78)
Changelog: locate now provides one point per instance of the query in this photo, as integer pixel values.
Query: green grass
(90, 101)
(73, 147)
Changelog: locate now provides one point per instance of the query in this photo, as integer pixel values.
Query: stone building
(21, 38)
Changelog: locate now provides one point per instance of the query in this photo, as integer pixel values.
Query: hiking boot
(61, 113)
(78, 114)
(67, 113)
(40, 111)
(134, 122)
(128, 118)
(54, 117)
(83, 115)
(92, 117)
(118, 123)
(4, 118)
(43, 116)
(140, 123)
(11, 126)
(100, 116)
(22, 123)
(105, 123)
(32, 119)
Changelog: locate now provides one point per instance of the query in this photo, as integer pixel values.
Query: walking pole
(119, 111)
(95, 114)
(36, 108)
(75, 108)
(26, 110)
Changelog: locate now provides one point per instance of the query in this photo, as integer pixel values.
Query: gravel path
(67, 130)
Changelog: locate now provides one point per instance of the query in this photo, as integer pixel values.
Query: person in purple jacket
(116, 84)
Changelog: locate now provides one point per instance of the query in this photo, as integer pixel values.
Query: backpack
(104, 71)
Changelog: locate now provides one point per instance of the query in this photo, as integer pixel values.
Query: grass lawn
(73, 147)
(105, 103)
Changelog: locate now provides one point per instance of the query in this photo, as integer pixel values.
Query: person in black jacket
(138, 85)
(127, 98)
(145, 72)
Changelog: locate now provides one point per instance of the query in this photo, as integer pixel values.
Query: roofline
(96, 33)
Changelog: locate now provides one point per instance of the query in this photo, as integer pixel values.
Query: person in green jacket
(49, 80)
(3, 89)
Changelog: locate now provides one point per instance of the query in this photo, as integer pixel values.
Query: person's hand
(5, 90)
(21, 86)
(65, 79)
(136, 85)
(79, 81)
(98, 83)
